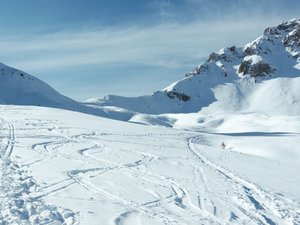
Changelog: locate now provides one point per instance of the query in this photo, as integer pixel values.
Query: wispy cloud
(169, 44)
(216, 10)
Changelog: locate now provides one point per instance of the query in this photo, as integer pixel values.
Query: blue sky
(91, 48)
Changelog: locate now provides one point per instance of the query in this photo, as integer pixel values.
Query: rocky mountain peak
(284, 28)
(255, 59)
(233, 70)
(274, 54)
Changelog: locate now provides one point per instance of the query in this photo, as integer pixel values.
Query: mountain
(20, 88)
(264, 73)
(262, 76)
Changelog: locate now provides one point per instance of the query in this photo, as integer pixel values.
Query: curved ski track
(179, 183)
(17, 204)
(260, 206)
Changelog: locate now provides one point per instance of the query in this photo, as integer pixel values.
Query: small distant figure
(223, 146)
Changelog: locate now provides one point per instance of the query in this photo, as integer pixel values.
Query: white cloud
(168, 45)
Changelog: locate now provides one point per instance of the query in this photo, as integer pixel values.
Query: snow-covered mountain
(261, 75)
(234, 79)
(20, 88)
(238, 167)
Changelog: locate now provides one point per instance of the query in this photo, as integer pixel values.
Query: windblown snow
(226, 150)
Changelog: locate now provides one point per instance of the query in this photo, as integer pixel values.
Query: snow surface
(67, 167)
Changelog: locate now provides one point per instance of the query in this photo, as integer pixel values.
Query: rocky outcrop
(180, 96)
(255, 70)
(283, 28)
(198, 70)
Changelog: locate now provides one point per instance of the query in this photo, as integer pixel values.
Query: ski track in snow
(255, 203)
(17, 205)
(167, 182)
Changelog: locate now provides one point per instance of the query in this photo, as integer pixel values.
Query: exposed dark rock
(202, 68)
(296, 56)
(212, 57)
(271, 31)
(244, 67)
(218, 57)
(225, 57)
(232, 48)
(180, 96)
(293, 39)
(249, 51)
(257, 70)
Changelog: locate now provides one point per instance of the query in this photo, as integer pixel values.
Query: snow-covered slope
(236, 76)
(63, 167)
(20, 88)
(278, 96)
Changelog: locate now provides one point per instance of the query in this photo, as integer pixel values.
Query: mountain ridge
(20, 88)
(225, 82)
(275, 54)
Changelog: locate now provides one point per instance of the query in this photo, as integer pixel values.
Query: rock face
(179, 96)
(255, 69)
(253, 58)
(274, 54)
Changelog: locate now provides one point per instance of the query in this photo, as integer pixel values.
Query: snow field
(112, 172)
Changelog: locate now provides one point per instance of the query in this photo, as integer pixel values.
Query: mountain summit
(231, 75)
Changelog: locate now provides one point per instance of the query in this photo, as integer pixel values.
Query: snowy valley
(111, 172)
(220, 146)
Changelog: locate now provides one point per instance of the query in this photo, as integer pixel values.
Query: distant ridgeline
(20, 88)
(227, 81)
(275, 54)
